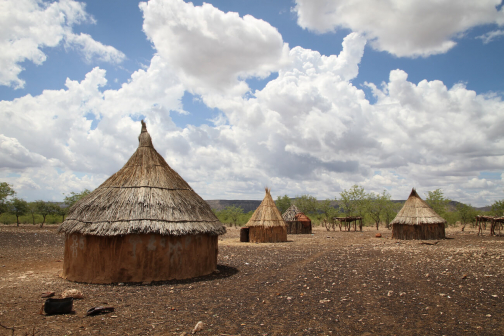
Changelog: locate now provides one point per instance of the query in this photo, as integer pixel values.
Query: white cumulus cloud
(54, 129)
(15, 156)
(27, 26)
(93, 49)
(212, 50)
(402, 28)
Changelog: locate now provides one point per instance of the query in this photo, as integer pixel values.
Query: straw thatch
(145, 196)
(417, 212)
(266, 224)
(417, 220)
(290, 214)
(267, 214)
(297, 222)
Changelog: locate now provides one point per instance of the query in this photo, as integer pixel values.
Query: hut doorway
(245, 235)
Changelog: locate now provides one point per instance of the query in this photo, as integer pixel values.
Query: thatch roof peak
(144, 139)
(293, 213)
(267, 214)
(144, 196)
(413, 193)
(416, 211)
(290, 214)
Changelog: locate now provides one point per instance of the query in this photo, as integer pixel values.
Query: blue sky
(302, 96)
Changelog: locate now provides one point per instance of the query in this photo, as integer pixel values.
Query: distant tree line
(17, 210)
(376, 208)
(233, 215)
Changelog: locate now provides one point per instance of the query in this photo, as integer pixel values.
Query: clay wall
(422, 232)
(138, 257)
(261, 234)
(299, 227)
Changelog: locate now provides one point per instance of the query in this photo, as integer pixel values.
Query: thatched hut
(144, 223)
(417, 220)
(297, 222)
(266, 224)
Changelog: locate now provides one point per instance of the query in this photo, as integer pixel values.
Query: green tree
(354, 201)
(18, 207)
(436, 200)
(326, 209)
(307, 204)
(46, 208)
(498, 208)
(466, 213)
(74, 197)
(233, 213)
(390, 212)
(283, 203)
(61, 211)
(32, 209)
(6, 191)
(376, 206)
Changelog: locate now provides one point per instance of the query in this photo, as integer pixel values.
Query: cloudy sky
(303, 96)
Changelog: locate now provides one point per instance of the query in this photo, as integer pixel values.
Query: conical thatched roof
(145, 196)
(290, 214)
(267, 214)
(416, 212)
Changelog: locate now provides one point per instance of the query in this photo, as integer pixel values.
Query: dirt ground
(327, 283)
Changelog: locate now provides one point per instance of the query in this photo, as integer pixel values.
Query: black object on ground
(99, 310)
(58, 306)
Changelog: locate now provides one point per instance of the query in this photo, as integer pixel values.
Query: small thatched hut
(296, 221)
(417, 220)
(143, 224)
(266, 224)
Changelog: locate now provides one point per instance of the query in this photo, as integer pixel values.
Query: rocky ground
(328, 283)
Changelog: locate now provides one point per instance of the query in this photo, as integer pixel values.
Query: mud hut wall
(262, 234)
(421, 232)
(298, 227)
(138, 257)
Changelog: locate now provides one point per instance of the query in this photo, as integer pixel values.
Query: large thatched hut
(266, 224)
(297, 222)
(417, 220)
(143, 224)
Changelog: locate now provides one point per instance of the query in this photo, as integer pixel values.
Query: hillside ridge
(251, 205)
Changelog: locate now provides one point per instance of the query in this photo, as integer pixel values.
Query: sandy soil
(328, 283)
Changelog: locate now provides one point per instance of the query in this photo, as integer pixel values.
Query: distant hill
(246, 205)
(251, 205)
(453, 206)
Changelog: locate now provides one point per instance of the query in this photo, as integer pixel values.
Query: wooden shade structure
(297, 222)
(417, 220)
(144, 223)
(266, 224)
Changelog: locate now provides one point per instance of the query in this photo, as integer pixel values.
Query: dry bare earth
(329, 283)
